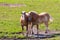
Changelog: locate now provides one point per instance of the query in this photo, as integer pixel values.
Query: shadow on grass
(35, 36)
(43, 36)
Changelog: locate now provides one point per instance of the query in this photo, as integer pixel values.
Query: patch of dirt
(22, 39)
(11, 5)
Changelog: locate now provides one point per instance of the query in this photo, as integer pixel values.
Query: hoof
(29, 35)
(46, 32)
(32, 32)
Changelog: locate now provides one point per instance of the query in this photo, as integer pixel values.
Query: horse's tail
(50, 19)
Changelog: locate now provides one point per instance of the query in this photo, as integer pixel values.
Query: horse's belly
(34, 23)
(24, 23)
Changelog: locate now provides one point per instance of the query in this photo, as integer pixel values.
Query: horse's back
(43, 13)
(44, 17)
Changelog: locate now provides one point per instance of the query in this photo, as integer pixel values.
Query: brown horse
(36, 19)
(24, 21)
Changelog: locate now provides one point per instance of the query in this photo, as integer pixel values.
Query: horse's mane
(33, 12)
(23, 12)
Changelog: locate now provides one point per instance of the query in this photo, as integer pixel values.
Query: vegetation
(10, 16)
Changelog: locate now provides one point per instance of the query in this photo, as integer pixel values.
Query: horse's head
(31, 14)
(23, 15)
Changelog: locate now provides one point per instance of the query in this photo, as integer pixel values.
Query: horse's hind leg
(46, 24)
(37, 29)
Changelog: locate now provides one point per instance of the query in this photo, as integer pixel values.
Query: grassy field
(9, 16)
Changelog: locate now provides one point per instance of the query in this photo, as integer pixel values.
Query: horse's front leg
(30, 30)
(22, 29)
(27, 30)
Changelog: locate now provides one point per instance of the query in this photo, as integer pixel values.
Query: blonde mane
(32, 11)
(42, 13)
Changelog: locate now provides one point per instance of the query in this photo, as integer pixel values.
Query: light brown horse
(37, 19)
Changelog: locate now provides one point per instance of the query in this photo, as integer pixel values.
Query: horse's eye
(22, 13)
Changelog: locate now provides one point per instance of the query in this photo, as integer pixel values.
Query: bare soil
(11, 5)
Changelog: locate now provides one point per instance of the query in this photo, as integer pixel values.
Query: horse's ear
(23, 12)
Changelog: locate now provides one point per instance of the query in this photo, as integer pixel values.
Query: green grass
(9, 16)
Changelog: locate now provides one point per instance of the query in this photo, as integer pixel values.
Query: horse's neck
(34, 14)
(35, 17)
